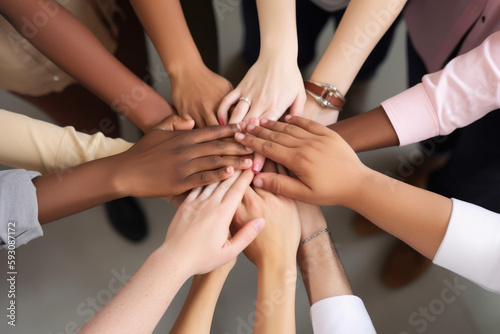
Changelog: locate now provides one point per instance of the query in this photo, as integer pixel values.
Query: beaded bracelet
(314, 236)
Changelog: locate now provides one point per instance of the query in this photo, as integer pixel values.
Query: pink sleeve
(463, 92)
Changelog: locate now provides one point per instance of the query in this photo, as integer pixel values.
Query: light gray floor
(75, 266)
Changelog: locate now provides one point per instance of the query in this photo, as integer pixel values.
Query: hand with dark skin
(168, 160)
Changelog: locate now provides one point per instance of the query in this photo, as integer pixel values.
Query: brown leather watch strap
(326, 95)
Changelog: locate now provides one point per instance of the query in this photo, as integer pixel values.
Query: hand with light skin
(274, 83)
(196, 243)
(168, 160)
(329, 173)
(274, 253)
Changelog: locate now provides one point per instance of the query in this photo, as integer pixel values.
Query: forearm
(367, 131)
(76, 189)
(278, 28)
(141, 303)
(416, 216)
(276, 298)
(73, 47)
(166, 26)
(197, 313)
(345, 54)
(321, 269)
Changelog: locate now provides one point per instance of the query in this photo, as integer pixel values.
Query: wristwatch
(327, 95)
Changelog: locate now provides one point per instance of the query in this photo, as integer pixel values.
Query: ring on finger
(247, 100)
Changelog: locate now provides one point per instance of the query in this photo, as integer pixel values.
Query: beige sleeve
(40, 146)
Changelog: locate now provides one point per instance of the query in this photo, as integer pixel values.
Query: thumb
(246, 235)
(283, 185)
(175, 122)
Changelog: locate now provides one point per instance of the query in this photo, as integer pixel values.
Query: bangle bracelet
(314, 236)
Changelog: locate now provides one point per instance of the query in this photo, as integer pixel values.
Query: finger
(224, 187)
(273, 151)
(278, 137)
(289, 129)
(239, 112)
(281, 169)
(208, 191)
(215, 162)
(193, 194)
(234, 194)
(211, 118)
(269, 167)
(178, 199)
(204, 178)
(217, 147)
(308, 125)
(213, 132)
(258, 162)
(243, 237)
(297, 107)
(174, 122)
(226, 103)
(284, 186)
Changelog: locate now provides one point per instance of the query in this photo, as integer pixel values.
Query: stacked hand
(172, 158)
(328, 171)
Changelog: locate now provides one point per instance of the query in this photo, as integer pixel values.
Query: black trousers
(311, 19)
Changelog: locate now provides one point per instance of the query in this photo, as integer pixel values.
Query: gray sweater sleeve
(18, 208)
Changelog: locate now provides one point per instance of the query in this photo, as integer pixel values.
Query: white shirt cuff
(471, 245)
(341, 314)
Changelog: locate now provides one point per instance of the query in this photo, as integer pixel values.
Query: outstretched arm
(196, 91)
(198, 310)
(334, 308)
(169, 160)
(203, 219)
(330, 173)
(274, 254)
(73, 47)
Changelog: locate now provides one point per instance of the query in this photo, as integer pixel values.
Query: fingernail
(258, 183)
(242, 125)
(264, 121)
(248, 149)
(256, 168)
(246, 161)
(229, 170)
(239, 136)
(221, 121)
(238, 126)
(288, 117)
(250, 127)
(259, 224)
(254, 121)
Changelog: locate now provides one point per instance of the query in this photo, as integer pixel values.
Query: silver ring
(247, 100)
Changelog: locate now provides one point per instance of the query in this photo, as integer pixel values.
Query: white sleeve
(339, 315)
(471, 245)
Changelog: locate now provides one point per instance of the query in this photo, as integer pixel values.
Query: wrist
(190, 66)
(313, 110)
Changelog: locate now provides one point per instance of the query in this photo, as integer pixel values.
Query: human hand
(278, 242)
(197, 93)
(314, 111)
(172, 158)
(272, 85)
(199, 231)
(328, 171)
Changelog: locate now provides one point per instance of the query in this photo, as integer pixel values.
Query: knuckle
(290, 128)
(214, 128)
(218, 145)
(267, 146)
(275, 136)
(214, 160)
